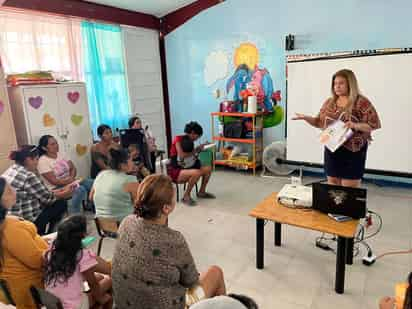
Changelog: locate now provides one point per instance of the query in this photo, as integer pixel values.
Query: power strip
(369, 260)
(322, 245)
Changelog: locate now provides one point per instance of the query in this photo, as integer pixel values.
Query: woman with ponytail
(113, 190)
(68, 265)
(152, 263)
(21, 252)
(35, 202)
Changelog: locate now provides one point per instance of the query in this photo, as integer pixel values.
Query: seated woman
(101, 151)
(189, 175)
(35, 202)
(68, 265)
(152, 263)
(57, 172)
(21, 252)
(113, 190)
(148, 149)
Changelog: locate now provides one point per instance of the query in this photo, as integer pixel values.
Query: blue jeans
(51, 215)
(80, 194)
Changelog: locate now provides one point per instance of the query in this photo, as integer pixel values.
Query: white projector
(295, 196)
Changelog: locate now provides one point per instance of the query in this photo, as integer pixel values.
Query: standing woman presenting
(345, 166)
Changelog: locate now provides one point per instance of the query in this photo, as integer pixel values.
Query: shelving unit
(256, 141)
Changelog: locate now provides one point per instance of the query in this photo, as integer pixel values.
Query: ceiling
(157, 8)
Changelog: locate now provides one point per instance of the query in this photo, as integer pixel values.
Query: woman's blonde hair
(153, 193)
(353, 87)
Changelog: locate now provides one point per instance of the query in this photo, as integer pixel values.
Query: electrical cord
(379, 225)
(316, 181)
(359, 239)
(394, 253)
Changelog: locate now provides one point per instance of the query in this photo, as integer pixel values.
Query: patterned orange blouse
(362, 112)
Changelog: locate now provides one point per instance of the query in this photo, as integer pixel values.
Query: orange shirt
(362, 112)
(23, 251)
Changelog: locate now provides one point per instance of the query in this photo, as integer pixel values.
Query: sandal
(189, 202)
(206, 195)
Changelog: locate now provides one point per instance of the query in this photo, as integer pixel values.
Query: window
(31, 41)
(105, 75)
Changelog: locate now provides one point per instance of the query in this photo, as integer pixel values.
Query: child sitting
(189, 159)
(68, 265)
(140, 170)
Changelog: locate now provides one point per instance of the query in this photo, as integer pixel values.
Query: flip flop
(189, 202)
(206, 195)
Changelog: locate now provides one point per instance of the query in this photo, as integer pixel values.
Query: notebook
(335, 135)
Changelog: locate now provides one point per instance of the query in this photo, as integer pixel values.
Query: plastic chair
(5, 289)
(42, 298)
(106, 227)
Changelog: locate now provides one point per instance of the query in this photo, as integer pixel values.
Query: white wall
(144, 79)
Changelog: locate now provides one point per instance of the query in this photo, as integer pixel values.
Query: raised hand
(299, 116)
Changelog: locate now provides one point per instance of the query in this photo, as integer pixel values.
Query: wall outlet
(297, 181)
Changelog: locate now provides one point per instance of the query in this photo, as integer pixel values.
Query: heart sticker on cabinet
(73, 96)
(48, 121)
(1, 106)
(76, 119)
(36, 102)
(81, 149)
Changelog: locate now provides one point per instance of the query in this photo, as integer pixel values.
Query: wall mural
(246, 73)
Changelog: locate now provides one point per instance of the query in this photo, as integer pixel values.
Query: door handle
(65, 134)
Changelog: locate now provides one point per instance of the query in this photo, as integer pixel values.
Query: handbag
(233, 129)
(228, 107)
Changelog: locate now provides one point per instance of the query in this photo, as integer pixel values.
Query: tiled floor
(296, 275)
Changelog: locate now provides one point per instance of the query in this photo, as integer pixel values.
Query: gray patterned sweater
(152, 266)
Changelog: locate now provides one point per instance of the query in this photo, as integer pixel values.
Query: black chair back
(5, 289)
(43, 298)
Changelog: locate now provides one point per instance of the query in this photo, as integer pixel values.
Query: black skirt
(344, 163)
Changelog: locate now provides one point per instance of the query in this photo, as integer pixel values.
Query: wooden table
(270, 209)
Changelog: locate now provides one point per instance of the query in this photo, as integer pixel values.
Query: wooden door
(42, 113)
(74, 112)
(7, 135)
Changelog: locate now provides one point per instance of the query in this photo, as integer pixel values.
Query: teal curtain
(105, 75)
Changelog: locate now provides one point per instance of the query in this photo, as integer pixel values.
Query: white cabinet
(7, 135)
(60, 110)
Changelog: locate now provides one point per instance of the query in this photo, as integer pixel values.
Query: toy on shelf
(240, 141)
